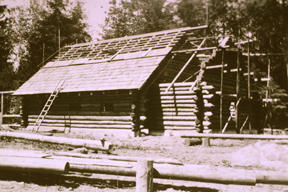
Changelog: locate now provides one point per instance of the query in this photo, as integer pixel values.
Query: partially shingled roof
(115, 64)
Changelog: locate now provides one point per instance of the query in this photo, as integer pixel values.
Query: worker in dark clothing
(233, 114)
(257, 115)
(199, 109)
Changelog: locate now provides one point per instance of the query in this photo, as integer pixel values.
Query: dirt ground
(246, 154)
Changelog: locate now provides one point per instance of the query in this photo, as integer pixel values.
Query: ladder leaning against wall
(48, 105)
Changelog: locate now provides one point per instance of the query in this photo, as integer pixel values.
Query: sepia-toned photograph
(144, 95)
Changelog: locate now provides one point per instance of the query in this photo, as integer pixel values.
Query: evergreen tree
(138, 16)
(47, 25)
(6, 68)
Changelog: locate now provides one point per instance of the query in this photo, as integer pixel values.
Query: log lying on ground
(201, 173)
(237, 136)
(117, 158)
(271, 177)
(89, 144)
(27, 164)
(182, 172)
(206, 174)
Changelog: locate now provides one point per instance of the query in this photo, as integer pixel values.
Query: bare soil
(246, 154)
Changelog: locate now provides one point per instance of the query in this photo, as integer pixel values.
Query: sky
(95, 10)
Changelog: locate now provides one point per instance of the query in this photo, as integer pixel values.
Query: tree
(138, 16)
(57, 20)
(191, 12)
(6, 68)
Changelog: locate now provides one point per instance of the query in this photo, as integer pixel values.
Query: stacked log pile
(179, 106)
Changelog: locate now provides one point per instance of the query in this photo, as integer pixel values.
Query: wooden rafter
(185, 66)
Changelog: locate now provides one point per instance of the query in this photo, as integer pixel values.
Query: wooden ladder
(47, 106)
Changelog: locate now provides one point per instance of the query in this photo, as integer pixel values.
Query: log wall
(97, 110)
(179, 107)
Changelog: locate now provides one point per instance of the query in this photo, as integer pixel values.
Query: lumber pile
(179, 106)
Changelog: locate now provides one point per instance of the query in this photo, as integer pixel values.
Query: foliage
(43, 37)
(191, 12)
(138, 16)
(6, 69)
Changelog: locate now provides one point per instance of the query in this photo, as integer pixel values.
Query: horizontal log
(11, 116)
(90, 144)
(206, 174)
(179, 84)
(184, 105)
(184, 115)
(74, 117)
(179, 118)
(184, 123)
(184, 97)
(272, 177)
(27, 164)
(117, 158)
(185, 109)
(103, 169)
(184, 172)
(238, 136)
(179, 128)
(88, 126)
(47, 121)
(178, 110)
(186, 88)
(170, 92)
(179, 113)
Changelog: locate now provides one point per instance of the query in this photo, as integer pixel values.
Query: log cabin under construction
(135, 83)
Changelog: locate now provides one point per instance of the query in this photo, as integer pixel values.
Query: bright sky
(95, 11)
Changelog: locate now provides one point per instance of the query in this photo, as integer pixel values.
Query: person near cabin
(233, 114)
(199, 109)
(257, 114)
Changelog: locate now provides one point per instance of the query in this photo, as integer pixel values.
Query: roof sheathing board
(114, 75)
(109, 48)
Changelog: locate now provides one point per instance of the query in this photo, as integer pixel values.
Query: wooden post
(43, 53)
(2, 109)
(248, 81)
(144, 176)
(268, 81)
(206, 142)
(221, 91)
(268, 86)
(135, 115)
(238, 90)
(59, 41)
(248, 70)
